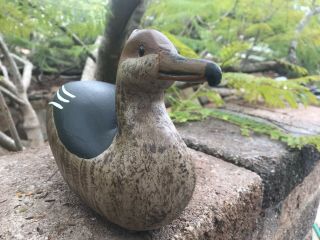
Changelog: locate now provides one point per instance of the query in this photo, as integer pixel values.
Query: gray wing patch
(85, 117)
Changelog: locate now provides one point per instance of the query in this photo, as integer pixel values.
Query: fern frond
(183, 49)
(230, 54)
(268, 91)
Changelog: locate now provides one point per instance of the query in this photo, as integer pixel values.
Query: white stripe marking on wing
(61, 98)
(67, 93)
(57, 105)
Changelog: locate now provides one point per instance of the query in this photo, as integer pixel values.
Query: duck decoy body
(116, 146)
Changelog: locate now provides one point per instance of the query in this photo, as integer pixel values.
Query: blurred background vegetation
(34, 26)
(232, 28)
(227, 30)
(268, 49)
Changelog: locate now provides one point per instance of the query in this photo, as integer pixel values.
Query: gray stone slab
(293, 217)
(35, 203)
(280, 168)
(300, 121)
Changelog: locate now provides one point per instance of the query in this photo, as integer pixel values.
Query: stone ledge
(292, 218)
(35, 203)
(280, 168)
(300, 121)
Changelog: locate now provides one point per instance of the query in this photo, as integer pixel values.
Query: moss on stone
(293, 70)
(184, 110)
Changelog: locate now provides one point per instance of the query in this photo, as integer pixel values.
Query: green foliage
(253, 89)
(307, 79)
(248, 125)
(60, 53)
(229, 54)
(84, 18)
(215, 24)
(183, 110)
(13, 20)
(210, 25)
(309, 46)
(35, 27)
(270, 92)
(172, 16)
(189, 109)
(293, 70)
(183, 49)
(299, 142)
(259, 29)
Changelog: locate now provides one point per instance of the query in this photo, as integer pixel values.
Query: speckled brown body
(146, 177)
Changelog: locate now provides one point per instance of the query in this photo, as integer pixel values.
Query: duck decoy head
(150, 62)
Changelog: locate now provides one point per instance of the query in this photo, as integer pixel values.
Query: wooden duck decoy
(116, 146)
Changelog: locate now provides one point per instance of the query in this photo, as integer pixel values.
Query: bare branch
(11, 95)
(292, 54)
(13, 68)
(9, 120)
(31, 122)
(90, 66)
(7, 142)
(5, 85)
(6, 80)
(27, 71)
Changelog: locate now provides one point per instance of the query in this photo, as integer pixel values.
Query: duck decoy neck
(137, 111)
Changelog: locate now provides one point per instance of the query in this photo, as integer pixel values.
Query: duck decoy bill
(177, 68)
(116, 146)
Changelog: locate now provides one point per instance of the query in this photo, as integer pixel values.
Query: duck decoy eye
(141, 50)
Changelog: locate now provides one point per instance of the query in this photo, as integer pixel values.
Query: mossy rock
(292, 70)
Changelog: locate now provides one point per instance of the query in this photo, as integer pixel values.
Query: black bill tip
(213, 74)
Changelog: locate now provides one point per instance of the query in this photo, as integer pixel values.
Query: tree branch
(6, 80)
(292, 53)
(11, 95)
(7, 142)
(13, 131)
(27, 71)
(12, 65)
(90, 66)
(31, 122)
